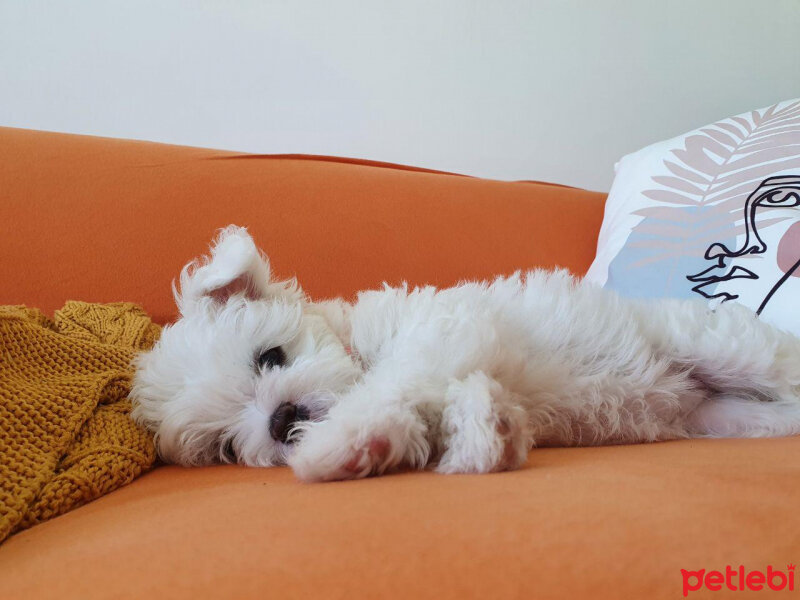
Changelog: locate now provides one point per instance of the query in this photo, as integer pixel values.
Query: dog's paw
(499, 450)
(315, 461)
(485, 430)
(370, 458)
(340, 449)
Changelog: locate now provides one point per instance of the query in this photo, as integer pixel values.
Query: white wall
(552, 90)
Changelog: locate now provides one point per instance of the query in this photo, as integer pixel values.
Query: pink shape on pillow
(789, 250)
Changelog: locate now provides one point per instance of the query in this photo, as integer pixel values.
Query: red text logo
(738, 579)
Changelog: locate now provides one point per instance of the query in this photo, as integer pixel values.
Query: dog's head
(248, 361)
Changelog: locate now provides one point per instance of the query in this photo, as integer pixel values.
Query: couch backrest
(106, 220)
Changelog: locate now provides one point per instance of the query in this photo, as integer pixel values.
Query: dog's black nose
(284, 418)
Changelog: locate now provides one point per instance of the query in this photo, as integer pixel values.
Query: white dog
(466, 379)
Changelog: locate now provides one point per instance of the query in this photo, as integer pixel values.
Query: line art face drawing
(721, 280)
(718, 217)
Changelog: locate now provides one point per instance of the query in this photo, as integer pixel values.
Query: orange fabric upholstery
(594, 523)
(106, 220)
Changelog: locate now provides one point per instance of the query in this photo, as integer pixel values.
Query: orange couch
(106, 220)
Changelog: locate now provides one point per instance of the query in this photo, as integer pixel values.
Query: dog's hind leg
(731, 350)
(725, 415)
(751, 369)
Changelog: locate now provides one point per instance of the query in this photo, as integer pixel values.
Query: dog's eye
(274, 357)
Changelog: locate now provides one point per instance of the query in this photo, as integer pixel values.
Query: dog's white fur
(466, 379)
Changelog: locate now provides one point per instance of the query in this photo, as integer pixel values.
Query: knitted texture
(66, 436)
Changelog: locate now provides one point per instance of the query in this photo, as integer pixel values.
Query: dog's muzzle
(284, 418)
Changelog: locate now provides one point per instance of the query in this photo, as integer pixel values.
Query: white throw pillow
(714, 213)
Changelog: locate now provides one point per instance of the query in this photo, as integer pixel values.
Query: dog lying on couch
(465, 380)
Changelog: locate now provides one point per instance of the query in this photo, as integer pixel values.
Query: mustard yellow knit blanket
(65, 433)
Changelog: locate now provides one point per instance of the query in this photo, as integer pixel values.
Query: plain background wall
(550, 90)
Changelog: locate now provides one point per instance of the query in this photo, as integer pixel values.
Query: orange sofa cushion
(107, 220)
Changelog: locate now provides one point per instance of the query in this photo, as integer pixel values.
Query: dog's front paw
(342, 448)
(485, 429)
(324, 455)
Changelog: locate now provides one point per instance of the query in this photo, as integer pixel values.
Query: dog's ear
(235, 266)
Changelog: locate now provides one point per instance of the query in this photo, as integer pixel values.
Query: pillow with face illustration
(714, 213)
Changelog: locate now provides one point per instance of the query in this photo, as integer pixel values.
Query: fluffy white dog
(466, 379)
